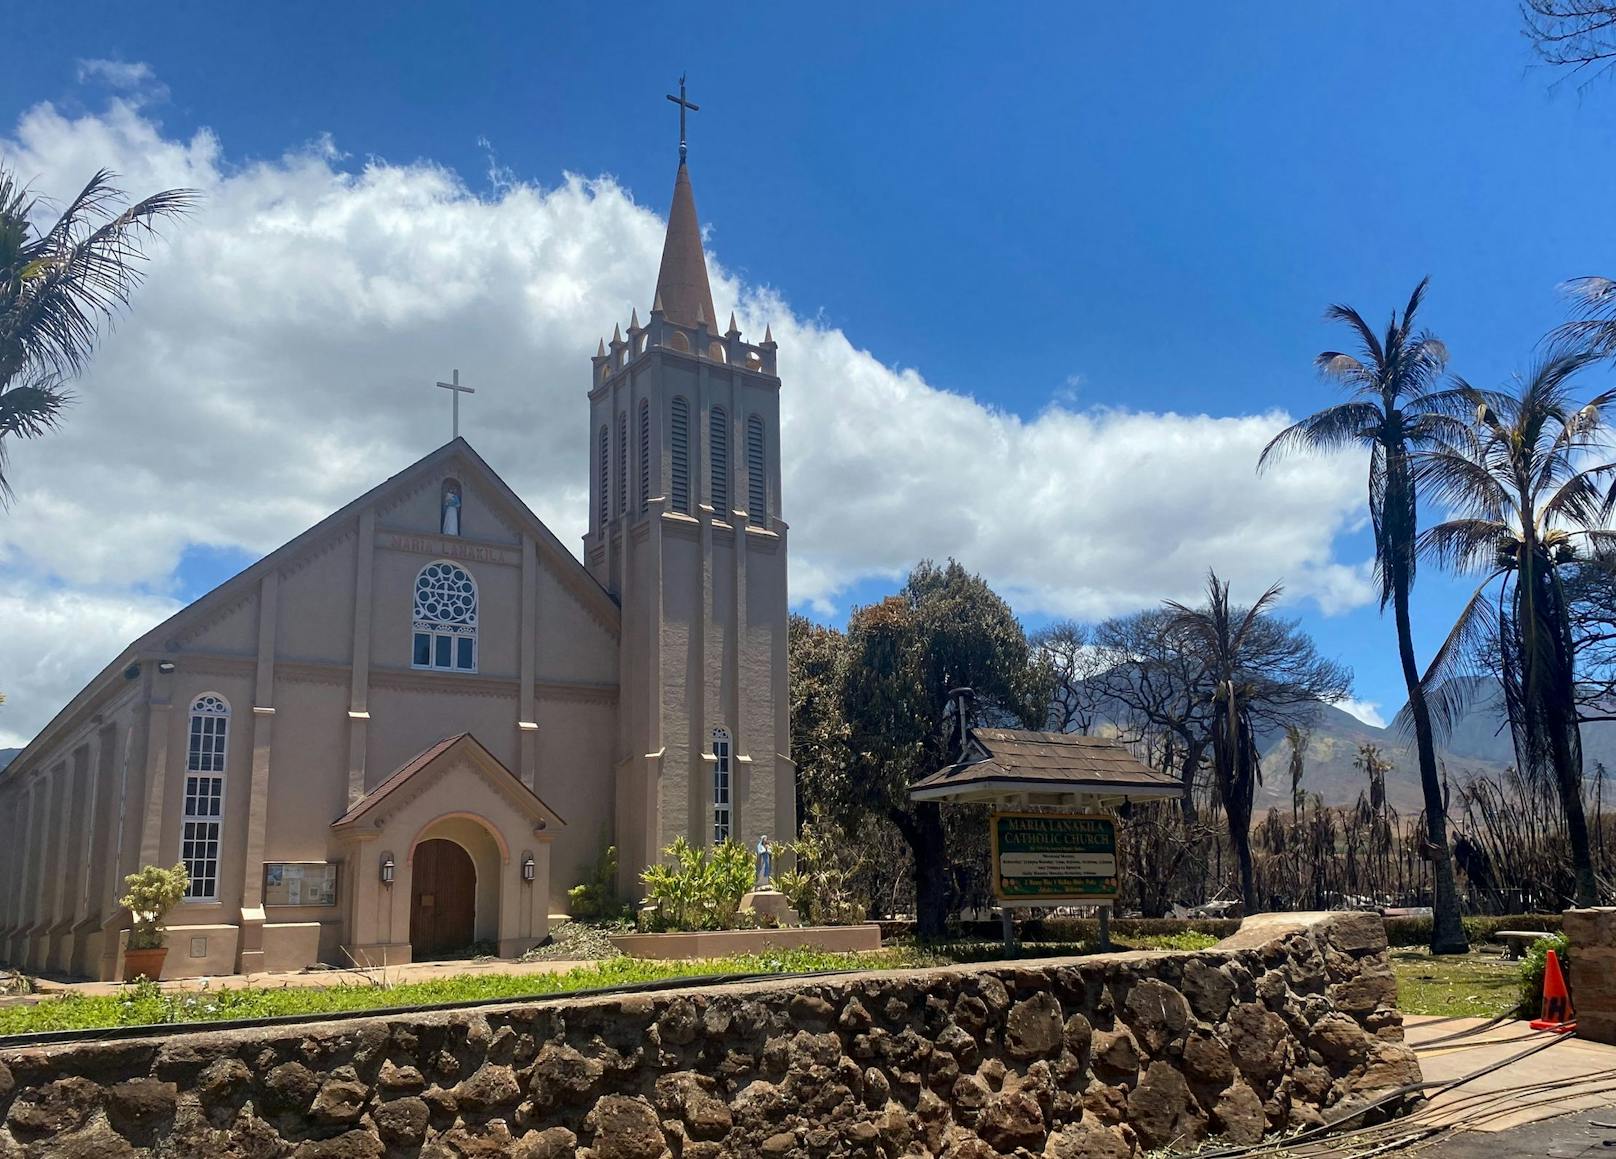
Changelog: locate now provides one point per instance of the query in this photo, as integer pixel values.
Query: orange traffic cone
(1557, 1013)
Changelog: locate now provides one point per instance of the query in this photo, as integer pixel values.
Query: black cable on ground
(159, 1029)
(1510, 1015)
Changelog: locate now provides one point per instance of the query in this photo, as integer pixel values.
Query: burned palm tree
(1259, 668)
(1393, 411)
(1532, 485)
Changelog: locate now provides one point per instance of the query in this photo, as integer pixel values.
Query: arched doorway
(443, 899)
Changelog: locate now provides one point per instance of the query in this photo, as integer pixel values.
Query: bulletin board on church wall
(1050, 858)
(300, 883)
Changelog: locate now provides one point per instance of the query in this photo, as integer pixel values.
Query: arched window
(445, 618)
(718, 443)
(645, 454)
(605, 469)
(679, 435)
(757, 491)
(204, 795)
(449, 506)
(622, 462)
(721, 785)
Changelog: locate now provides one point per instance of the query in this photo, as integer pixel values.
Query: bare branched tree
(1579, 35)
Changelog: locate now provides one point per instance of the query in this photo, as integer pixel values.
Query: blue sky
(1107, 206)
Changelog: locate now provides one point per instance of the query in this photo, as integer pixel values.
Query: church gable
(409, 514)
(453, 500)
(441, 770)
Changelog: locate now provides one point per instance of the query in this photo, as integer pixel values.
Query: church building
(412, 728)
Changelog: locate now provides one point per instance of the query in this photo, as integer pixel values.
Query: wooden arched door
(443, 899)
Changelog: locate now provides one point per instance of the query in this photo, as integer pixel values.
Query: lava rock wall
(1105, 1057)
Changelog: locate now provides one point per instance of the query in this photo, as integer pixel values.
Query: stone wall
(1591, 971)
(1101, 1057)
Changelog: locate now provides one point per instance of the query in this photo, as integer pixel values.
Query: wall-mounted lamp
(165, 666)
(527, 868)
(387, 869)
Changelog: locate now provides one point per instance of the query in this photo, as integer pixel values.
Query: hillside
(1478, 744)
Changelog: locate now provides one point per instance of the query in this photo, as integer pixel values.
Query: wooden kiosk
(1053, 795)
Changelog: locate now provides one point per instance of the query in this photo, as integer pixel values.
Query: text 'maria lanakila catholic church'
(414, 726)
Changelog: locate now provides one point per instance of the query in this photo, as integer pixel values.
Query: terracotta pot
(148, 963)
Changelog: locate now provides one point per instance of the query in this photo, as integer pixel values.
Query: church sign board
(1048, 858)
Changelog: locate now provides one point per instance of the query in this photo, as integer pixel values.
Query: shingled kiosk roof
(1006, 762)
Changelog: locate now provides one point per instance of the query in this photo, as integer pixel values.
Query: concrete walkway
(1568, 1076)
(413, 972)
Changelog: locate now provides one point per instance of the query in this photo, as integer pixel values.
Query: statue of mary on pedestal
(765, 863)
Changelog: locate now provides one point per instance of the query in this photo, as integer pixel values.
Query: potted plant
(153, 891)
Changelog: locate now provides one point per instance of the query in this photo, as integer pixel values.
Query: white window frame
(207, 742)
(454, 631)
(723, 785)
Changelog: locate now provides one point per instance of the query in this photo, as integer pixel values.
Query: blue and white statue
(765, 863)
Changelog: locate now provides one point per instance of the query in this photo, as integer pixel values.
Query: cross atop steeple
(683, 106)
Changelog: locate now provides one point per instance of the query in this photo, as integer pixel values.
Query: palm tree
(58, 285)
(1393, 412)
(1297, 737)
(1219, 634)
(1532, 497)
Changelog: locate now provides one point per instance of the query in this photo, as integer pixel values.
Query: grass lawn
(142, 1005)
(1482, 985)
(146, 1004)
(1475, 985)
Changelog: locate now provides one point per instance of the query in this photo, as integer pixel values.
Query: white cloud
(134, 78)
(55, 640)
(1367, 711)
(280, 358)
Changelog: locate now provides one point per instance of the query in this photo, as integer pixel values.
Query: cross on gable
(454, 385)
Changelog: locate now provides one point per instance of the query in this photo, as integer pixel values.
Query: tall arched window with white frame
(722, 780)
(445, 621)
(204, 795)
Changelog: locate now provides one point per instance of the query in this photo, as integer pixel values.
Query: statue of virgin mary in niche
(451, 507)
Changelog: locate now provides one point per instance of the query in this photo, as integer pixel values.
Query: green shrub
(1533, 966)
(1063, 929)
(153, 891)
(595, 899)
(1478, 928)
(697, 889)
(819, 885)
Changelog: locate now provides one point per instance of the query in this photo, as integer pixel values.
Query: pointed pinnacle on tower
(600, 351)
(617, 335)
(633, 321)
(768, 335)
(733, 329)
(657, 307)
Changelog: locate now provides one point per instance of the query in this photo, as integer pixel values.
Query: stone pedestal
(770, 907)
(1591, 971)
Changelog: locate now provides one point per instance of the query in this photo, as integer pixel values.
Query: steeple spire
(682, 287)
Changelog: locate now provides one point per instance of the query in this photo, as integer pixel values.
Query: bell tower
(685, 531)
